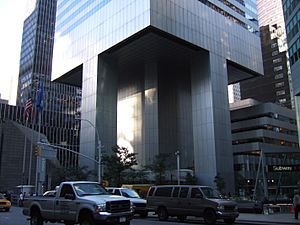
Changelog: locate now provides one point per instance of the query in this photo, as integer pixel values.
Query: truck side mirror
(70, 196)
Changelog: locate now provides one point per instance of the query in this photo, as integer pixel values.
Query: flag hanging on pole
(28, 108)
(39, 97)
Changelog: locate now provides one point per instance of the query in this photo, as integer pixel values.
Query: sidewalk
(276, 218)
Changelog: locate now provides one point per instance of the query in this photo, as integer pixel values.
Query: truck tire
(162, 214)
(36, 218)
(210, 217)
(87, 220)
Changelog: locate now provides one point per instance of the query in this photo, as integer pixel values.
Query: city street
(15, 217)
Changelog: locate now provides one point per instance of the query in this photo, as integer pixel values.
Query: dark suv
(191, 200)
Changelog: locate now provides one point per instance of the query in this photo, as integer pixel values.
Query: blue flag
(39, 97)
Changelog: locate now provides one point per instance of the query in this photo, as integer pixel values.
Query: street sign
(48, 152)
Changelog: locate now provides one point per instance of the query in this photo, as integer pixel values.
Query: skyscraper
(61, 102)
(291, 10)
(275, 85)
(242, 12)
(154, 76)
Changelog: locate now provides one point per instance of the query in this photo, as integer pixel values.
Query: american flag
(27, 108)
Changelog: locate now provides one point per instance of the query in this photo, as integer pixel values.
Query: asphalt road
(15, 217)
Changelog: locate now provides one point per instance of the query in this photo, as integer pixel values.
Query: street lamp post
(98, 147)
(177, 153)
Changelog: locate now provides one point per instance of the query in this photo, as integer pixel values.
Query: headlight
(220, 207)
(101, 207)
(132, 206)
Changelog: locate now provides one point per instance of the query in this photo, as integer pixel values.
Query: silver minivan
(191, 200)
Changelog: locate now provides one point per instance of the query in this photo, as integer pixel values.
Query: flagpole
(39, 106)
(24, 155)
(37, 173)
(31, 147)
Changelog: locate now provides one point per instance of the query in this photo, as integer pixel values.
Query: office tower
(36, 50)
(245, 14)
(154, 78)
(234, 92)
(291, 10)
(258, 145)
(61, 102)
(275, 85)
(242, 12)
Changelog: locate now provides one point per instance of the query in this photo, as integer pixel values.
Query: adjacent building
(274, 86)
(291, 10)
(154, 76)
(265, 148)
(61, 102)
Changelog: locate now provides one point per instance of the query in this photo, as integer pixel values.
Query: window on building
(277, 68)
(282, 100)
(273, 45)
(275, 53)
(278, 60)
(280, 84)
(282, 92)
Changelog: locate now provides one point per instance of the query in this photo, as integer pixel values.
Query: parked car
(139, 204)
(249, 206)
(191, 200)
(4, 203)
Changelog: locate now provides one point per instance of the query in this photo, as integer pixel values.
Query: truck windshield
(211, 193)
(83, 189)
(129, 193)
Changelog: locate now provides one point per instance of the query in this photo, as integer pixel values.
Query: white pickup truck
(83, 202)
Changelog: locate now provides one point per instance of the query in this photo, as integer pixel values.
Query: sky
(12, 16)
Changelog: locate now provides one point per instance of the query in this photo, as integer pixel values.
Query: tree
(159, 167)
(70, 174)
(120, 161)
(220, 183)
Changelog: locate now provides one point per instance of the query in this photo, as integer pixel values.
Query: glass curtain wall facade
(61, 102)
(291, 10)
(242, 12)
(154, 78)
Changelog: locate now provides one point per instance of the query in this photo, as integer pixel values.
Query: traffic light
(37, 150)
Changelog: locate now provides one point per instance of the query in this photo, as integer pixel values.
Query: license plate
(122, 219)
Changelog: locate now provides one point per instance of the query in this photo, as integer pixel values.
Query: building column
(88, 139)
(211, 120)
(106, 102)
(150, 113)
(99, 106)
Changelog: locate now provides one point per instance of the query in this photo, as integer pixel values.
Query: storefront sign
(283, 168)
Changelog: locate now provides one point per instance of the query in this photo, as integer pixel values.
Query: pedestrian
(21, 199)
(296, 203)
(229, 195)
